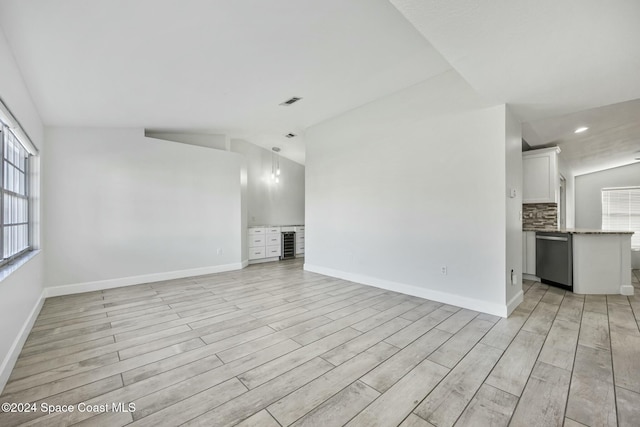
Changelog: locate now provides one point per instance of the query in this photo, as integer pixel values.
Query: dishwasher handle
(554, 238)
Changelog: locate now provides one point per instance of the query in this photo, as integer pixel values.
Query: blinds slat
(621, 211)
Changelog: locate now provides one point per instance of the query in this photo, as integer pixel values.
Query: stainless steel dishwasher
(554, 258)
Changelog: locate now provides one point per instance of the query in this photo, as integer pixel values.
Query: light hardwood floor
(272, 345)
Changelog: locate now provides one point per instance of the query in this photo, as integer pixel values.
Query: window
(14, 201)
(621, 211)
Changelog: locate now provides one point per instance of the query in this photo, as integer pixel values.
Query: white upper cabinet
(541, 179)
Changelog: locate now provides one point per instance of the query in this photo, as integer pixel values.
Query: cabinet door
(529, 252)
(273, 239)
(256, 253)
(540, 177)
(257, 240)
(525, 270)
(273, 251)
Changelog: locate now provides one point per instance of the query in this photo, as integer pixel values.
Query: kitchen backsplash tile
(540, 215)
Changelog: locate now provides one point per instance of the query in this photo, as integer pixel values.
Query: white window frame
(621, 211)
(11, 126)
(15, 225)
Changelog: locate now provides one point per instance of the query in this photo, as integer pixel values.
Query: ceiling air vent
(290, 135)
(290, 101)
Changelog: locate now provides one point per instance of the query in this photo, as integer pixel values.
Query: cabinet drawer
(300, 229)
(273, 239)
(273, 230)
(299, 238)
(273, 251)
(256, 230)
(300, 248)
(256, 240)
(256, 253)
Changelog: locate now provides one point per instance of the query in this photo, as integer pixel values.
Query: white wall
(20, 292)
(588, 196)
(513, 146)
(588, 192)
(270, 203)
(123, 208)
(407, 184)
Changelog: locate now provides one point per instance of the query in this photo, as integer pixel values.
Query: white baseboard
(261, 260)
(245, 263)
(530, 277)
(515, 302)
(443, 297)
(99, 285)
(12, 356)
(626, 290)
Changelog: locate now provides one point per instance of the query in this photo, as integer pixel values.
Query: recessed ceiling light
(580, 130)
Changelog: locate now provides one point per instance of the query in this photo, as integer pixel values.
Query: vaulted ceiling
(224, 66)
(219, 66)
(560, 65)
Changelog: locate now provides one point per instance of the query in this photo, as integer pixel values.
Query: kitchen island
(601, 260)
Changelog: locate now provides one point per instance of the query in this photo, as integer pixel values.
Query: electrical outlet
(444, 270)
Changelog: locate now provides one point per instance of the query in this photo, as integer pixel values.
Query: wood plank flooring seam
(292, 303)
(613, 371)
(566, 403)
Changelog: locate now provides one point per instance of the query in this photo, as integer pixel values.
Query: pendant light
(275, 164)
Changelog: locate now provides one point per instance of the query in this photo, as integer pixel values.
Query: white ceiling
(223, 66)
(219, 66)
(613, 137)
(555, 62)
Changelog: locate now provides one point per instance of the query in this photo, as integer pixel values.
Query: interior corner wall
(122, 208)
(513, 145)
(588, 192)
(588, 196)
(569, 191)
(407, 185)
(268, 202)
(21, 291)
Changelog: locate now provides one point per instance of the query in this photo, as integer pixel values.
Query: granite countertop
(266, 226)
(575, 230)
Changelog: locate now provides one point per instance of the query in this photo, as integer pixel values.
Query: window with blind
(14, 201)
(621, 211)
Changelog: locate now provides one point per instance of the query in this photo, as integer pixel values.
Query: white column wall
(408, 184)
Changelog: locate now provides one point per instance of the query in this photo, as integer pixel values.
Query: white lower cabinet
(529, 252)
(273, 251)
(256, 253)
(299, 240)
(257, 243)
(265, 243)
